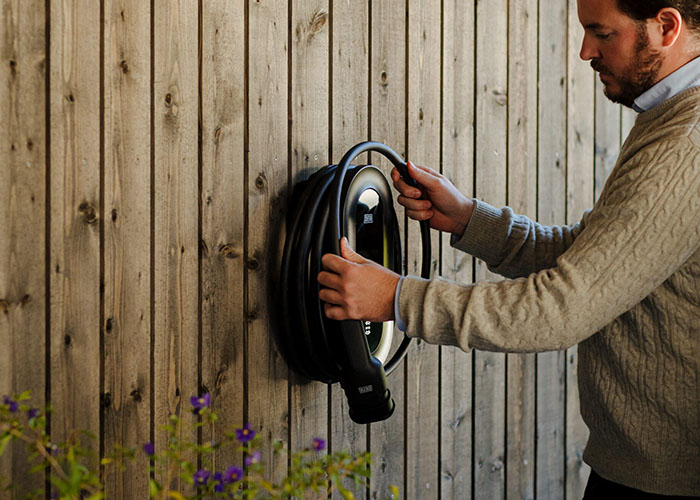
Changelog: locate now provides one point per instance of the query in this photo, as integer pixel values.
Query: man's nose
(588, 49)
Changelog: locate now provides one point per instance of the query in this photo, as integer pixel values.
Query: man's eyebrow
(593, 26)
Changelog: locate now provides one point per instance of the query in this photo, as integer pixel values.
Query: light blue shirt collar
(683, 78)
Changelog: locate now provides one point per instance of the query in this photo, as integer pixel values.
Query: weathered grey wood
(491, 148)
(176, 308)
(579, 197)
(457, 165)
(422, 362)
(127, 239)
(388, 125)
(627, 118)
(23, 209)
(607, 136)
(522, 197)
(309, 150)
(350, 124)
(222, 249)
(75, 222)
(551, 209)
(268, 374)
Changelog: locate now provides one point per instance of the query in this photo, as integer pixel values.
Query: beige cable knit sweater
(624, 283)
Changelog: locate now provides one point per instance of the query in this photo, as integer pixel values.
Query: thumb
(422, 175)
(348, 253)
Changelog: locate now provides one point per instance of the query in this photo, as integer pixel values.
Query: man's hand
(356, 288)
(446, 208)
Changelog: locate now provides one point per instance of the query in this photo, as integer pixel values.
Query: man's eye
(603, 36)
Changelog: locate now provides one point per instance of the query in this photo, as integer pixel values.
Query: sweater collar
(683, 78)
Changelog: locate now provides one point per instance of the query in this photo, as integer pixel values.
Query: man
(624, 282)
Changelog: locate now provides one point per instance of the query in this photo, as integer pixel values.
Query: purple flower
(245, 434)
(319, 444)
(32, 413)
(13, 406)
(233, 474)
(199, 403)
(149, 449)
(201, 477)
(219, 479)
(253, 458)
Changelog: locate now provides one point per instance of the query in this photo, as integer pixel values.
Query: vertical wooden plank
(607, 136)
(423, 122)
(350, 57)
(522, 197)
(458, 166)
(579, 197)
(268, 402)
(309, 147)
(127, 238)
(23, 210)
(75, 221)
(387, 124)
(223, 215)
(551, 209)
(176, 108)
(627, 118)
(491, 148)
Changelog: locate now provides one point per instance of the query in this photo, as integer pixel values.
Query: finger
(331, 296)
(412, 204)
(419, 214)
(423, 175)
(350, 254)
(330, 280)
(334, 263)
(402, 187)
(335, 312)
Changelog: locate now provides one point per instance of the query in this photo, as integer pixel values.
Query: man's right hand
(436, 199)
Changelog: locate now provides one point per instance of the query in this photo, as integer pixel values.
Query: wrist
(465, 214)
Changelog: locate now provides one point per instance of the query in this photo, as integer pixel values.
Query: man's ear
(669, 22)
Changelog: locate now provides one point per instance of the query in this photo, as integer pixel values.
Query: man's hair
(640, 10)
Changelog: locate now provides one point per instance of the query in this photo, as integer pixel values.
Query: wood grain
(127, 240)
(75, 222)
(268, 374)
(23, 209)
(176, 334)
(223, 246)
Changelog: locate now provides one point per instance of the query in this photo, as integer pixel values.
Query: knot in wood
(253, 264)
(168, 99)
(383, 77)
(124, 66)
(228, 251)
(89, 212)
(136, 395)
(260, 181)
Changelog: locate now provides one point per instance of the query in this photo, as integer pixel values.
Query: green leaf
(4, 442)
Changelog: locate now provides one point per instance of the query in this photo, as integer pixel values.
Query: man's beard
(639, 77)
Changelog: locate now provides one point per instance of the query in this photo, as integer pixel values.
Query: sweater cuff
(399, 322)
(482, 236)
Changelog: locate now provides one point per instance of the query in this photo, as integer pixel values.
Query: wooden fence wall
(147, 149)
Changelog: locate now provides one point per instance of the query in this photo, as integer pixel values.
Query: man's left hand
(356, 288)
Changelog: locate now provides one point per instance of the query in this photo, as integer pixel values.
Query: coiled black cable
(319, 348)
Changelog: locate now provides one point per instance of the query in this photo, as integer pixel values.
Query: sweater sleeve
(513, 245)
(645, 227)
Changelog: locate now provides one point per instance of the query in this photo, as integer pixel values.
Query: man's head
(633, 44)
